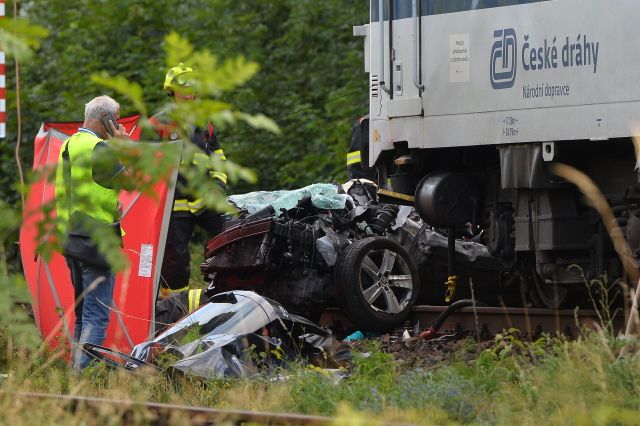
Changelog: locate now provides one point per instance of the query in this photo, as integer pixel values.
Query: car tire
(377, 283)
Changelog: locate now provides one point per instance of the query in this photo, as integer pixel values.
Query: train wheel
(534, 292)
(555, 296)
(378, 283)
(550, 295)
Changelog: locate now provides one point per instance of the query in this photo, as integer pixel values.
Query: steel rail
(197, 415)
(533, 321)
(494, 319)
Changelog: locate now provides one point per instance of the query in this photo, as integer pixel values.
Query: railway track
(533, 321)
(488, 319)
(492, 320)
(162, 414)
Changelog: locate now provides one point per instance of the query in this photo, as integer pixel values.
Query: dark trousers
(170, 310)
(175, 264)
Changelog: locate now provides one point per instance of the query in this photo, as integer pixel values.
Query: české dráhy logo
(580, 51)
(503, 59)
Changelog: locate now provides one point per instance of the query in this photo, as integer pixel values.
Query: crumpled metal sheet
(467, 252)
(236, 334)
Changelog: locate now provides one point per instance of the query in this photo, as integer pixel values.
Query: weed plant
(548, 381)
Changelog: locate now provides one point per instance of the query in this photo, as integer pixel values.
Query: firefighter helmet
(178, 76)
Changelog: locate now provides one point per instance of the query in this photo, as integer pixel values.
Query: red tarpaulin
(145, 221)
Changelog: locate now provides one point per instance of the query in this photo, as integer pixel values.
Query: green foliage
(178, 48)
(16, 326)
(18, 38)
(211, 79)
(373, 377)
(9, 220)
(17, 331)
(508, 342)
(308, 57)
(306, 52)
(121, 85)
(603, 298)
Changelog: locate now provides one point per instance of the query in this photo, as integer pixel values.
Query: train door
(396, 86)
(404, 59)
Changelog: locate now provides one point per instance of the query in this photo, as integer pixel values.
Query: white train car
(471, 101)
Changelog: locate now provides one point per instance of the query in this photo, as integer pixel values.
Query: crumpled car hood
(236, 334)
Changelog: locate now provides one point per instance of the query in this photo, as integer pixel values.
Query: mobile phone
(107, 126)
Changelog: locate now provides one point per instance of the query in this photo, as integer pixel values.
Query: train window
(436, 7)
(402, 8)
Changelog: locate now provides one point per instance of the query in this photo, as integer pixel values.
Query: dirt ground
(416, 352)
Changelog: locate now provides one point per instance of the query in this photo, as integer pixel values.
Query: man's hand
(119, 132)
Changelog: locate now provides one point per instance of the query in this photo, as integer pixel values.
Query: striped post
(3, 88)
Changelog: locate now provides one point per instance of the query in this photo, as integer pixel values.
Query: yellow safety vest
(88, 196)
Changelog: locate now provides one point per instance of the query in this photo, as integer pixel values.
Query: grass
(593, 380)
(551, 381)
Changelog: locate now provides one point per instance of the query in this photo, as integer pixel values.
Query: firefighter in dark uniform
(171, 309)
(358, 156)
(188, 211)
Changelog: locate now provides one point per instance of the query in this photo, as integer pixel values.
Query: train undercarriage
(553, 245)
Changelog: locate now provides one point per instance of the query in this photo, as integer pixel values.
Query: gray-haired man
(87, 199)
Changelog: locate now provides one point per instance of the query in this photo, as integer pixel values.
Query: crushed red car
(365, 256)
(307, 257)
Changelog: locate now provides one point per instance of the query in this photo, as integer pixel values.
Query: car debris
(329, 244)
(298, 247)
(236, 334)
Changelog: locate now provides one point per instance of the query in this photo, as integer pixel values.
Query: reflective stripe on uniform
(194, 299)
(201, 158)
(219, 154)
(219, 175)
(353, 157)
(195, 205)
(182, 205)
(167, 292)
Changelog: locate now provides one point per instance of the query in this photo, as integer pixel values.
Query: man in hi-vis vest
(87, 185)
